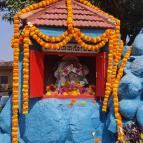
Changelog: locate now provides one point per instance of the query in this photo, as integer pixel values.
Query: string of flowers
(14, 133)
(117, 59)
(21, 37)
(25, 10)
(70, 16)
(25, 85)
(118, 47)
(15, 44)
(49, 38)
(50, 45)
(15, 93)
(77, 37)
(115, 96)
(109, 73)
(103, 37)
(112, 65)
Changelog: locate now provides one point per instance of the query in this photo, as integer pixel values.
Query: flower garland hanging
(117, 58)
(115, 96)
(49, 38)
(15, 93)
(88, 46)
(103, 37)
(15, 44)
(108, 88)
(112, 71)
(25, 85)
(54, 46)
(15, 82)
(70, 16)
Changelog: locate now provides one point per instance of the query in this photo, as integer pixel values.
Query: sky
(6, 32)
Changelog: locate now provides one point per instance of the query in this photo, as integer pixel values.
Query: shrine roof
(56, 15)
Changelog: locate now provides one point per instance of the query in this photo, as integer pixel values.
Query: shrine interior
(56, 60)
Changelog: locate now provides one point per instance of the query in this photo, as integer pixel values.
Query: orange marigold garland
(25, 85)
(51, 45)
(109, 73)
(88, 46)
(49, 38)
(25, 10)
(117, 59)
(103, 37)
(15, 81)
(15, 45)
(70, 16)
(115, 96)
(15, 94)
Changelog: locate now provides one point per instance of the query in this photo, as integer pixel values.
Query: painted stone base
(55, 121)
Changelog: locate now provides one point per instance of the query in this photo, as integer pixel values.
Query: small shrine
(52, 21)
(66, 49)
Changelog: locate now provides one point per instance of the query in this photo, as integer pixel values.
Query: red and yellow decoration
(111, 36)
(68, 89)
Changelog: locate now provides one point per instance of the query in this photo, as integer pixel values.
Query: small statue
(70, 70)
(71, 79)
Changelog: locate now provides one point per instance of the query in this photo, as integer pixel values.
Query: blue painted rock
(127, 69)
(111, 123)
(128, 108)
(130, 87)
(5, 118)
(84, 121)
(125, 49)
(107, 136)
(53, 120)
(68, 141)
(3, 101)
(47, 122)
(138, 45)
(5, 138)
(137, 67)
(140, 115)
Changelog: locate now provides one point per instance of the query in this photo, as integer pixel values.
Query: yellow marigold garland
(115, 96)
(124, 61)
(25, 85)
(103, 37)
(25, 10)
(21, 37)
(15, 82)
(49, 38)
(112, 71)
(15, 94)
(51, 45)
(70, 16)
(88, 46)
(117, 58)
(109, 75)
(15, 45)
